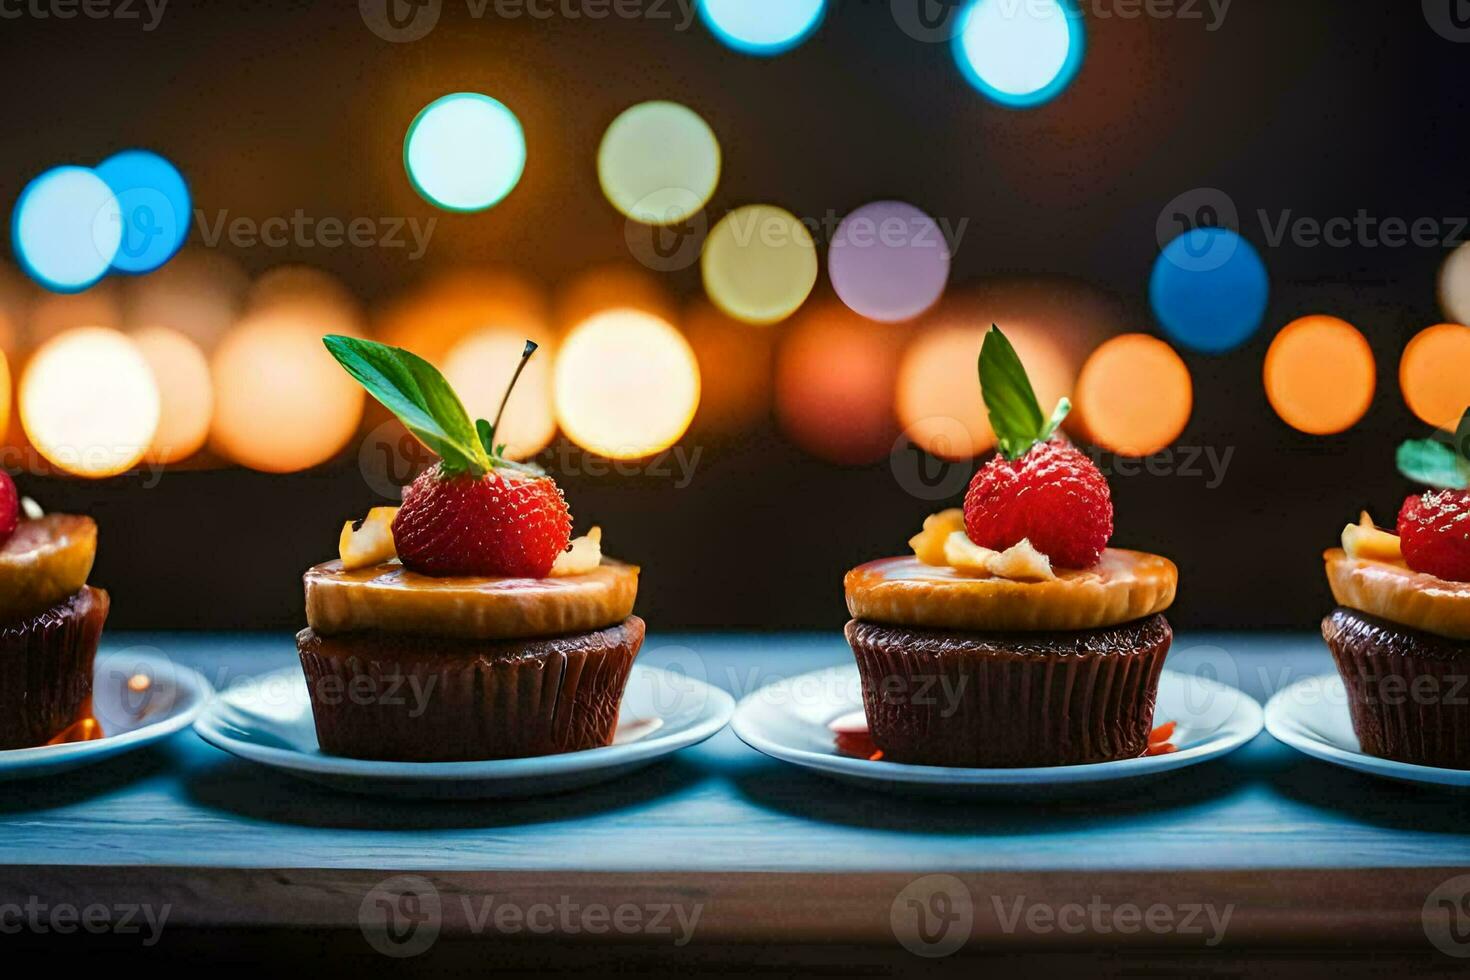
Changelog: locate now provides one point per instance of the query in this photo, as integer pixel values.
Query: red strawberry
(504, 523)
(9, 507)
(1053, 495)
(1434, 532)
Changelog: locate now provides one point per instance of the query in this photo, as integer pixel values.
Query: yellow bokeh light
(185, 389)
(835, 373)
(939, 401)
(479, 368)
(759, 264)
(1434, 374)
(1320, 375)
(89, 403)
(1135, 395)
(659, 163)
(282, 403)
(1454, 285)
(626, 385)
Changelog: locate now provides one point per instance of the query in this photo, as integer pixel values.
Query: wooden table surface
(1300, 848)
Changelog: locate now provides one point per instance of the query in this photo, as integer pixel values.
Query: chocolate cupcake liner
(401, 698)
(1408, 691)
(1010, 700)
(46, 669)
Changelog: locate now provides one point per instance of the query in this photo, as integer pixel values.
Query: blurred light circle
(1454, 285)
(1135, 395)
(659, 163)
(185, 389)
(465, 152)
(4, 396)
(89, 402)
(155, 205)
(835, 373)
(67, 228)
(614, 286)
(762, 27)
(759, 264)
(479, 368)
(735, 365)
(1215, 305)
(626, 385)
(1434, 374)
(199, 293)
(1020, 53)
(1320, 375)
(282, 404)
(938, 391)
(889, 261)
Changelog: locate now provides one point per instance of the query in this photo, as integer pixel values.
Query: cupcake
(1013, 636)
(1401, 633)
(50, 622)
(466, 624)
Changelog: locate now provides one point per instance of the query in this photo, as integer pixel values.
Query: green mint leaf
(1015, 414)
(1431, 462)
(1462, 439)
(486, 432)
(414, 391)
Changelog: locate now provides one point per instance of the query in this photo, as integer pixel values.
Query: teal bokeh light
(1020, 54)
(465, 152)
(66, 228)
(155, 205)
(762, 27)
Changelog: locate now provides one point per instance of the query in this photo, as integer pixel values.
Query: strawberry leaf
(1431, 462)
(1015, 414)
(414, 391)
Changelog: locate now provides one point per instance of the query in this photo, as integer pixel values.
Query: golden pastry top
(45, 561)
(391, 598)
(1121, 587)
(1393, 591)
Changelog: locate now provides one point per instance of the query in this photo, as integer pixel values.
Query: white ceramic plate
(790, 720)
(1312, 717)
(131, 717)
(268, 720)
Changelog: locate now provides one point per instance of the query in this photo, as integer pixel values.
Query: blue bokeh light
(1209, 290)
(156, 207)
(66, 228)
(762, 27)
(1020, 54)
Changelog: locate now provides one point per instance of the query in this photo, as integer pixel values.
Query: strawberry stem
(487, 433)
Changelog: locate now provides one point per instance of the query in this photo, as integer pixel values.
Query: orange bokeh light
(1134, 395)
(431, 320)
(608, 287)
(835, 373)
(479, 368)
(56, 313)
(185, 390)
(1320, 375)
(626, 385)
(89, 402)
(199, 293)
(735, 364)
(939, 401)
(4, 394)
(1434, 374)
(282, 403)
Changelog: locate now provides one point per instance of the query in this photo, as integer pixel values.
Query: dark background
(1322, 107)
